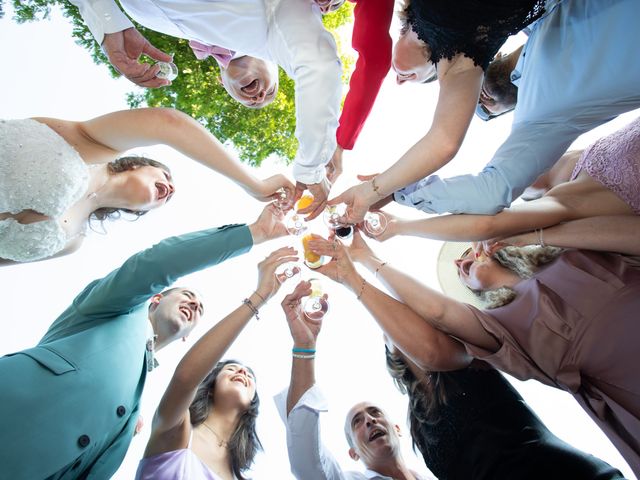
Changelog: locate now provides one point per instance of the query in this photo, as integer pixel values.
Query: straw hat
(450, 282)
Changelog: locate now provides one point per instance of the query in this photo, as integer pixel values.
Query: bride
(56, 175)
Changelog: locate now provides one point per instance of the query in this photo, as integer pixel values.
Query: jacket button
(84, 440)
(120, 411)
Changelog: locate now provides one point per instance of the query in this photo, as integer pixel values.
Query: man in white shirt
(287, 32)
(372, 437)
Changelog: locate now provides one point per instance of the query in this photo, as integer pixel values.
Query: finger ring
(292, 306)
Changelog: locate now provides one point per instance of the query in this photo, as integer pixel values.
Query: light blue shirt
(579, 69)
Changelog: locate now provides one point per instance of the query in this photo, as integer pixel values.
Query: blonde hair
(524, 262)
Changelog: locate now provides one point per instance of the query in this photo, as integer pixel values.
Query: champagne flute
(315, 306)
(375, 223)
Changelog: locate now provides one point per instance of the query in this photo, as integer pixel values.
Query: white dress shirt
(309, 458)
(287, 32)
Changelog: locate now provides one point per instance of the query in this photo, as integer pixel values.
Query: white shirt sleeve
(308, 457)
(102, 16)
(307, 52)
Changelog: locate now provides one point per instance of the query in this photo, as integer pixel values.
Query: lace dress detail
(39, 171)
(474, 28)
(614, 161)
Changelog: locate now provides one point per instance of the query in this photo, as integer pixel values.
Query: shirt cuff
(312, 399)
(309, 175)
(103, 16)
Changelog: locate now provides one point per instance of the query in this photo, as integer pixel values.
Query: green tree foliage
(256, 134)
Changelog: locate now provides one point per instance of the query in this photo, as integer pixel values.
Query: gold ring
(292, 306)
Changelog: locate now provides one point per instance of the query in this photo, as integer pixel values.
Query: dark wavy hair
(244, 442)
(426, 395)
(124, 164)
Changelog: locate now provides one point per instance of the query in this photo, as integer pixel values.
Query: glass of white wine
(375, 223)
(315, 306)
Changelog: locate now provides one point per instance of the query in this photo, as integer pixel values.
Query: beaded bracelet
(378, 269)
(303, 350)
(252, 307)
(304, 357)
(364, 283)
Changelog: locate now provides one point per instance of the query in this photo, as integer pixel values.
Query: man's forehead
(362, 407)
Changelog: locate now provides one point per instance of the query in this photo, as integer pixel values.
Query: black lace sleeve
(474, 28)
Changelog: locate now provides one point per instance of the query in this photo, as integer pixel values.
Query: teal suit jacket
(69, 406)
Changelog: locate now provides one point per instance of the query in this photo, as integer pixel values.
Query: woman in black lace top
(452, 42)
(471, 424)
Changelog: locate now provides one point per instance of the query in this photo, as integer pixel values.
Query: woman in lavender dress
(204, 427)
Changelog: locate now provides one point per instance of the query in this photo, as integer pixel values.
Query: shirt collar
(150, 349)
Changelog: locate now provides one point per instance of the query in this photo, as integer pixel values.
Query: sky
(44, 74)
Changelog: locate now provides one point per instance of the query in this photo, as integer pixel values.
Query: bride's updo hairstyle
(124, 164)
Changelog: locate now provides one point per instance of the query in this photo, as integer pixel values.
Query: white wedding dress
(39, 171)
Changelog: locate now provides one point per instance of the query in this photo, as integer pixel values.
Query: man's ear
(353, 454)
(155, 300)
(397, 429)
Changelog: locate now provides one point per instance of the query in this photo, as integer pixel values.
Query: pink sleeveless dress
(614, 161)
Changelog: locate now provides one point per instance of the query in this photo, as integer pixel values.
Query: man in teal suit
(69, 406)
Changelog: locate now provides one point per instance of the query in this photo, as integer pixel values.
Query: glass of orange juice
(293, 221)
(311, 259)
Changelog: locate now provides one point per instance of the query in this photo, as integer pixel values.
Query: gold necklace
(221, 442)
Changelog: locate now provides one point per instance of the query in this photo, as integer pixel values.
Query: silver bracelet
(304, 356)
(540, 240)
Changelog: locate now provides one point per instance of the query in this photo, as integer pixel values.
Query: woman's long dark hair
(124, 164)
(426, 396)
(244, 442)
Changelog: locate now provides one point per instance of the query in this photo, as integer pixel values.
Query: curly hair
(124, 164)
(524, 262)
(244, 442)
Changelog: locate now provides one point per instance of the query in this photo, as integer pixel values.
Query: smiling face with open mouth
(235, 385)
(374, 437)
(175, 312)
(251, 81)
(146, 188)
(477, 273)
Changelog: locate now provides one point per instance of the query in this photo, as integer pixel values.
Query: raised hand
(340, 269)
(320, 192)
(124, 48)
(358, 200)
(268, 225)
(303, 330)
(334, 167)
(268, 284)
(272, 188)
(359, 249)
